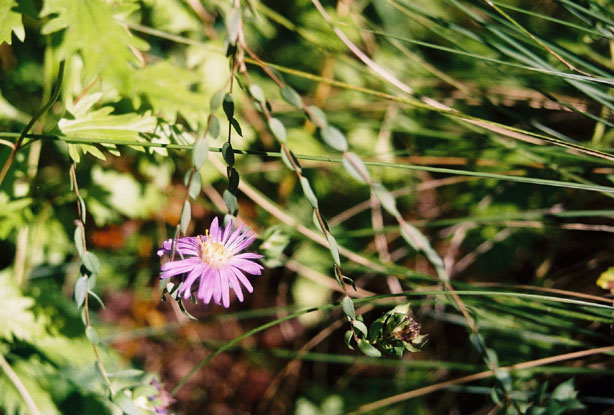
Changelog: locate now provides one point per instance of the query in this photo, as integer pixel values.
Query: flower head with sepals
(214, 259)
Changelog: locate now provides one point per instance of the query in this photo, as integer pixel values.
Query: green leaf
(257, 93)
(37, 378)
(200, 153)
(334, 248)
(291, 97)
(92, 335)
(91, 30)
(233, 24)
(318, 117)
(10, 22)
(347, 337)
(231, 202)
(233, 180)
(83, 209)
(309, 194)
(386, 199)
(16, 319)
(229, 106)
(214, 127)
(278, 130)
(80, 291)
(287, 162)
(348, 307)
(368, 349)
(356, 167)
(186, 215)
(334, 138)
(90, 261)
(196, 185)
(78, 238)
(228, 154)
(123, 399)
(92, 294)
(216, 101)
(360, 326)
(235, 124)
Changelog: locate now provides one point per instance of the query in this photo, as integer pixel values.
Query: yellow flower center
(214, 253)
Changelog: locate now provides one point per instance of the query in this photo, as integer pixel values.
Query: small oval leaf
(214, 127)
(196, 185)
(80, 291)
(90, 261)
(291, 97)
(228, 154)
(317, 116)
(368, 349)
(334, 248)
(229, 106)
(348, 308)
(278, 130)
(360, 326)
(355, 166)
(186, 215)
(334, 138)
(386, 199)
(231, 202)
(78, 238)
(257, 93)
(236, 126)
(216, 101)
(200, 153)
(233, 23)
(309, 194)
(92, 335)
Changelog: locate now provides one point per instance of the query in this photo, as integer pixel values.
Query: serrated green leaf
(347, 305)
(257, 93)
(186, 216)
(80, 291)
(368, 349)
(229, 106)
(214, 127)
(92, 335)
(356, 167)
(309, 194)
(291, 97)
(334, 138)
(10, 22)
(200, 153)
(231, 202)
(90, 261)
(386, 199)
(84, 24)
(278, 130)
(228, 154)
(36, 377)
(16, 319)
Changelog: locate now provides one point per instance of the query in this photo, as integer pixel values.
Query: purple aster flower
(215, 259)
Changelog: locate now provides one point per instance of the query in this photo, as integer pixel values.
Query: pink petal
(209, 286)
(217, 287)
(249, 255)
(186, 287)
(225, 288)
(246, 266)
(243, 279)
(227, 232)
(179, 267)
(235, 285)
(214, 230)
(234, 236)
(204, 280)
